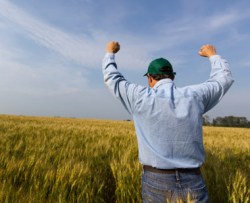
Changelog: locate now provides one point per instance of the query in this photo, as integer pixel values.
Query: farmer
(168, 123)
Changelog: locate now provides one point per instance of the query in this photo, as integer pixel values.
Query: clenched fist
(113, 47)
(207, 50)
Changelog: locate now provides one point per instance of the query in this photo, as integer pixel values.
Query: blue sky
(51, 51)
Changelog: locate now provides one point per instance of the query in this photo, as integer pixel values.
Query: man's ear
(150, 78)
(150, 81)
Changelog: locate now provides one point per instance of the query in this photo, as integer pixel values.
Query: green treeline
(227, 121)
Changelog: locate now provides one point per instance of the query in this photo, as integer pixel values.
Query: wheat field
(46, 159)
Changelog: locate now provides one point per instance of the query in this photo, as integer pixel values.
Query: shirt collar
(163, 81)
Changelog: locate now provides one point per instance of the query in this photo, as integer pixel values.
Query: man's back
(169, 121)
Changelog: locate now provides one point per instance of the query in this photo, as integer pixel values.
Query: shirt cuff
(214, 58)
(110, 55)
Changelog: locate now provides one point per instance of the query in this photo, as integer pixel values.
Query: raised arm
(117, 84)
(220, 79)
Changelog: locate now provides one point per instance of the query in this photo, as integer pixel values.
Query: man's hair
(158, 77)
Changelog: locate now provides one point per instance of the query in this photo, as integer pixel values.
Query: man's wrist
(214, 57)
(110, 55)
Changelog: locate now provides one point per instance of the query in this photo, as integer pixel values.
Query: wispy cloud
(245, 64)
(23, 78)
(80, 50)
(195, 27)
(84, 50)
(221, 20)
(87, 50)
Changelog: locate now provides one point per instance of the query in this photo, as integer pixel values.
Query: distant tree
(206, 120)
(231, 121)
(218, 121)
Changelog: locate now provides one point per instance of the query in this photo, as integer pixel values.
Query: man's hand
(113, 47)
(207, 50)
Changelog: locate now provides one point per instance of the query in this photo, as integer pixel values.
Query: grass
(77, 160)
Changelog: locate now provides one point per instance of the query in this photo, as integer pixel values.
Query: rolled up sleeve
(217, 85)
(117, 84)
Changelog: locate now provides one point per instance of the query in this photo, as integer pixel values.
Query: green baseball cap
(160, 66)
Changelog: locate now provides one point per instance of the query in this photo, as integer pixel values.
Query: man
(168, 123)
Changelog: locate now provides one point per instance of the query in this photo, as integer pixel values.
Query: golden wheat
(78, 160)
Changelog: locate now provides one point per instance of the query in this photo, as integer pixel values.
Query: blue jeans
(176, 187)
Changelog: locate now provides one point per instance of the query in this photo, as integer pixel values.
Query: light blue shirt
(168, 120)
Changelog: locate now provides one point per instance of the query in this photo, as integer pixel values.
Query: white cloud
(80, 50)
(16, 77)
(195, 28)
(136, 52)
(219, 21)
(46, 78)
(245, 64)
(83, 50)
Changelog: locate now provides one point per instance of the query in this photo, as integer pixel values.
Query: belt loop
(177, 175)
